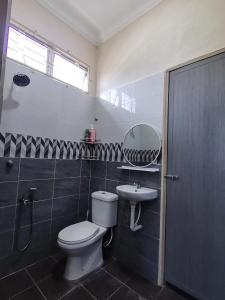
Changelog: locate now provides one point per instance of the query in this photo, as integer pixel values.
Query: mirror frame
(160, 143)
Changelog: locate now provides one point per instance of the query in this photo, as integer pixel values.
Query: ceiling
(98, 20)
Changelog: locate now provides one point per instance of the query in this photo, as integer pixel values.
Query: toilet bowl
(82, 242)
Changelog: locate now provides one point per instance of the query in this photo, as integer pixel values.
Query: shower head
(21, 80)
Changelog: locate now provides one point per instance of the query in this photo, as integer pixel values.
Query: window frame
(51, 51)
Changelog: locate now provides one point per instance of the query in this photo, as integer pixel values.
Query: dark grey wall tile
(123, 212)
(40, 236)
(31, 255)
(116, 174)
(6, 240)
(98, 169)
(139, 244)
(97, 184)
(111, 185)
(149, 248)
(66, 187)
(36, 168)
(150, 222)
(9, 173)
(8, 193)
(65, 206)
(84, 203)
(146, 179)
(153, 205)
(146, 269)
(60, 223)
(41, 212)
(7, 218)
(86, 168)
(140, 265)
(67, 168)
(44, 189)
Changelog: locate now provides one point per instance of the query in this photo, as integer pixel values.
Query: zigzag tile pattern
(17, 145)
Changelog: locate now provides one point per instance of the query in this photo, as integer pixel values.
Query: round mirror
(142, 145)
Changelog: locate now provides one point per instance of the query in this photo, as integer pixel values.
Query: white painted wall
(45, 108)
(173, 32)
(38, 19)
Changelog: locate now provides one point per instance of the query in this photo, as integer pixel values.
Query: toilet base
(83, 261)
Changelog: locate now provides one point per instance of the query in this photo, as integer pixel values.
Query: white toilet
(82, 242)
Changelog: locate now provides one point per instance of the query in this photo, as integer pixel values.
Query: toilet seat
(78, 233)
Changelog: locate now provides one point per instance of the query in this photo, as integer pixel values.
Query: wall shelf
(151, 170)
(91, 143)
(89, 158)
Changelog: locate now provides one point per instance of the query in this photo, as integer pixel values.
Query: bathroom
(112, 149)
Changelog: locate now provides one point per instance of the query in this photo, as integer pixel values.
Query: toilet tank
(104, 208)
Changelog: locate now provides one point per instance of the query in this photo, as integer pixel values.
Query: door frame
(162, 241)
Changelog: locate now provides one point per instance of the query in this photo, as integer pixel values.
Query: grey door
(195, 222)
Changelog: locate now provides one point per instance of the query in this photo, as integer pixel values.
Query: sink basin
(134, 194)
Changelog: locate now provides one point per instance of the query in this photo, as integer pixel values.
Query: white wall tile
(119, 109)
(46, 107)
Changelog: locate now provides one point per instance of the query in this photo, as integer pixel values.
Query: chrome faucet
(137, 185)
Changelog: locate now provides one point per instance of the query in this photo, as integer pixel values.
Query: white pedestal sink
(136, 195)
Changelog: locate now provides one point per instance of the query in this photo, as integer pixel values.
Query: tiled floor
(44, 280)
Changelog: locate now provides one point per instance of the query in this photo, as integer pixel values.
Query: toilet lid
(78, 233)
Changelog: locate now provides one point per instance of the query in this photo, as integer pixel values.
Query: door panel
(195, 222)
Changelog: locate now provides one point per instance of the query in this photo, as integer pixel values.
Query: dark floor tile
(8, 192)
(169, 294)
(13, 284)
(9, 173)
(36, 168)
(67, 168)
(55, 286)
(43, 269)
(101, 285)
(143, 287)
(118, 271)
(124, 293)
(107, 260)
(44, 189)
(31, 293)
(60, 257)
(78, 294)
(30, 256)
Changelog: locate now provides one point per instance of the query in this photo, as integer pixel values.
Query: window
(31, 52)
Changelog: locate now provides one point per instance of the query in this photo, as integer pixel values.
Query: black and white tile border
(17, 145)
